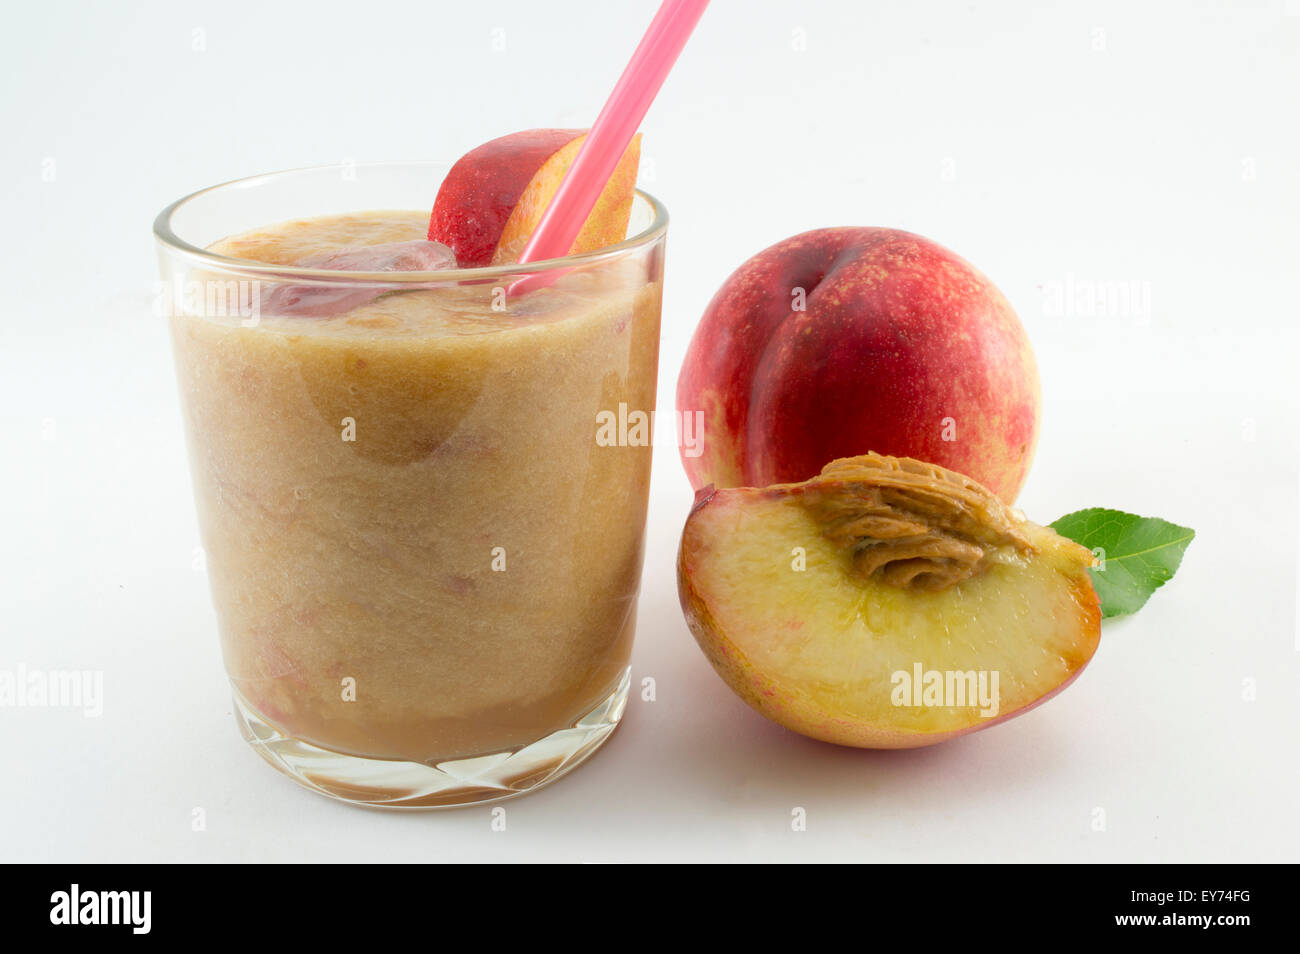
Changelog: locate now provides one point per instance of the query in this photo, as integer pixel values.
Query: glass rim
(166, 237)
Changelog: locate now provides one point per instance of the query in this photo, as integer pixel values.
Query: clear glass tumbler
(422, 506)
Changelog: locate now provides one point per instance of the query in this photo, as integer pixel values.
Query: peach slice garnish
(493, 197)
(607, 223)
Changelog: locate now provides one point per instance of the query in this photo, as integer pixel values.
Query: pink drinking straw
(610, 134)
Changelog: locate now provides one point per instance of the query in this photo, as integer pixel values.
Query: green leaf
(1138, 554)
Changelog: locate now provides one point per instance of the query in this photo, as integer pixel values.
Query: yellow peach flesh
(816, 649)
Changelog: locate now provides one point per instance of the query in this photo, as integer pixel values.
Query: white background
(1154, 143)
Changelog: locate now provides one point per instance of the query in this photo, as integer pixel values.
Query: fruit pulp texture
(470, 558)
(825, 633)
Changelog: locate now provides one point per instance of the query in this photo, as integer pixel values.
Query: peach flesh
(817, 650)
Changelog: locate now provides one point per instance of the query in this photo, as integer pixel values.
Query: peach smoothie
(418, 549)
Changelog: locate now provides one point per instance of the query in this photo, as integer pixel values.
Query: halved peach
(886, 603)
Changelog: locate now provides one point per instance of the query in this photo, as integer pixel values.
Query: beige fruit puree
(467, 563)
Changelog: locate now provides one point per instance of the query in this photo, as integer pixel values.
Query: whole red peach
(844, 341)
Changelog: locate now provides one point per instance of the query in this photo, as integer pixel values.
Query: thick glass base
(379, 783)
